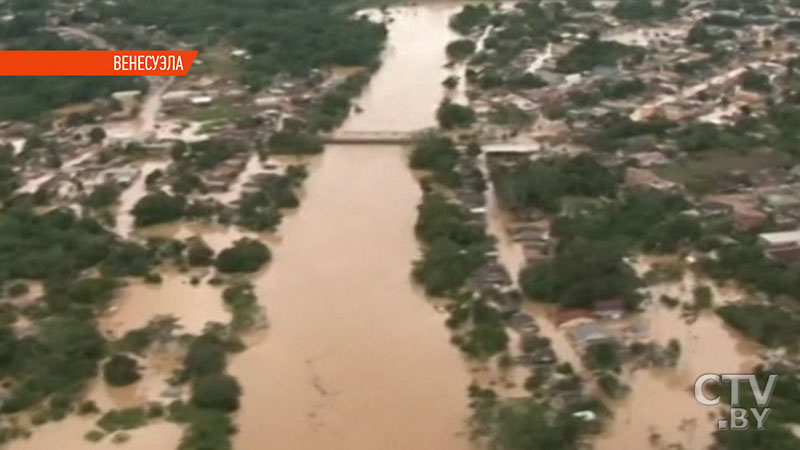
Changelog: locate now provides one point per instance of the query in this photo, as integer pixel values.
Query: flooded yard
(139, 302)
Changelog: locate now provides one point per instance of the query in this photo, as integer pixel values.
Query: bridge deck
(371, 137)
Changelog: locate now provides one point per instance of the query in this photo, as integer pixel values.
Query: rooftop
(781, 237)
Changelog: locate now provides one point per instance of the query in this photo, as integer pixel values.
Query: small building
(783, 254)
(609, 309)
(573, 317)
(781, 246)
(589, 334)
(523, 323)
(779, 239)
(201, 100)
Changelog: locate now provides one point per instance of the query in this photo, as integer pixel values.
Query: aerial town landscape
(431, 225)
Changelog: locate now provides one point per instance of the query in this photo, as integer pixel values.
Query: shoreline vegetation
(455, 248)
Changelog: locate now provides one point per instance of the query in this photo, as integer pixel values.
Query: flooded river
(356, 358)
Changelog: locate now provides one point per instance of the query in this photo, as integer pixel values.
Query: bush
(217, 391)
(206, 356)
(91, 291)
(452, 115)
(198, 253)
(603, 356)
(634, 9)
(206, 429)
(438, 155)
(123, 419)
(103, 195)
(97, 134)
(244, 305)
(121, 370)
(703, 297)
(17, 289)
(460, 49)
(756, 81)
(156, 208)
(469, 17)
(295, 142)
(246, 255)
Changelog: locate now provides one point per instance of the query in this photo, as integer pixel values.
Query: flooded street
(708, 345)
(124, 220)
(356, 358)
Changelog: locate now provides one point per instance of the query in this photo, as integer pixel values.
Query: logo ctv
(739, 416)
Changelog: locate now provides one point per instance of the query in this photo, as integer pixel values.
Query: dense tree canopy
(452, 115)
(216, 391)
(246, 255)
(121, 370)
(281, 35)
(156, 208)
(438, 155)
(595, 52)
(51, 244)
(544, 182)
(59, 358)
(582, 272)
(26, 98)
(460, 49)
(455, 247)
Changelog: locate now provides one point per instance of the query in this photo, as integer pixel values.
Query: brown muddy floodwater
(661, 402)
(356, 358)
(139, 302)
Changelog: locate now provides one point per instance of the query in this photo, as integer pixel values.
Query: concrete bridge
(371, 137)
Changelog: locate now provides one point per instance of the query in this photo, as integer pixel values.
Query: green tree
(438, 155)
(198, 253)
(103, 195)
(295, 142)
(528, 425)
(156, 208)
(97, 134)
(452, 115)
(460, 49)
(217, 391)
(469, 17)
(634, 9)
(121, 370)
(246, 255)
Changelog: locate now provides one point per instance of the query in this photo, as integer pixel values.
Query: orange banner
(95, 62)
